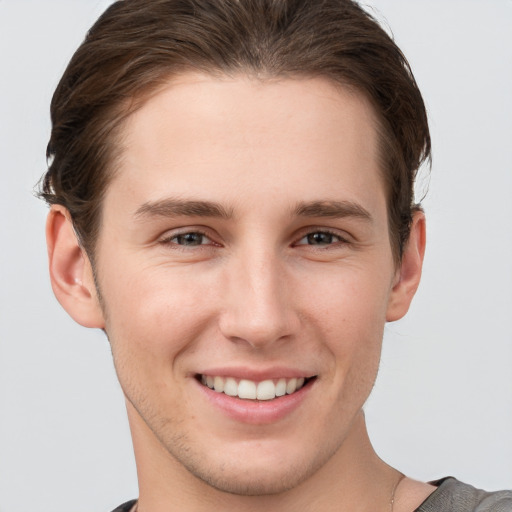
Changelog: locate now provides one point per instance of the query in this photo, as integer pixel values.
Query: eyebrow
(333, 210)
(174, 207)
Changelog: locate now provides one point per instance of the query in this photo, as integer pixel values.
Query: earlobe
(70, 270)
(409, 273)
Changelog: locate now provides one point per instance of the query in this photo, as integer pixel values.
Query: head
(234, 180)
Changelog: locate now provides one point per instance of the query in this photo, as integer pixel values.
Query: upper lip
(256, 374)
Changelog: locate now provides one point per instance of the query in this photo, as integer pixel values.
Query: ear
(408, 274)
(71, 271)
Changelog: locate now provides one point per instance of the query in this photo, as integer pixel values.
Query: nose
(258, 305)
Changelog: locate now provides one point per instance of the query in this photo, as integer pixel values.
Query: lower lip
(253, 411)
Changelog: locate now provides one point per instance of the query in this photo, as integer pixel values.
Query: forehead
(245, 140)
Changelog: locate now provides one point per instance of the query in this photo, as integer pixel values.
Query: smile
(252, 390)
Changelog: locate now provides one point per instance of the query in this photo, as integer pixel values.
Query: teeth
(218, 384)
(291, 386)
(266, 390)
(281, 387)
(250, 390)
(231, 387)
(247, 389)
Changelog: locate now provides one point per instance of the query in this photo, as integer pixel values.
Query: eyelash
(339, 239)
(169, 240)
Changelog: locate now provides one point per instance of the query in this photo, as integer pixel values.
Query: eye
(189, 239)
(320, 238)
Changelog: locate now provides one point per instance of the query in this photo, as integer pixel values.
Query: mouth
(269, 389)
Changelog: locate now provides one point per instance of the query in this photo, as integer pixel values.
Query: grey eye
(319, 238)
(190, 239)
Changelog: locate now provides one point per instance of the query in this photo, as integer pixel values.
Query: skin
(267, 282)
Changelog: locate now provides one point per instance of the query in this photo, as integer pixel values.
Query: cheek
(350, 300)
(149, 326)
(350, 311)
(355, 346)
(152, 317)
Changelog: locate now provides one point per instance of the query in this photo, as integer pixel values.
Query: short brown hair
(137, 44)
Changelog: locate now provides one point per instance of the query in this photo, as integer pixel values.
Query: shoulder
(126, 507)
(454, 496)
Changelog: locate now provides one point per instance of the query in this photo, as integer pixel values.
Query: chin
(259, 473)
(251, 481)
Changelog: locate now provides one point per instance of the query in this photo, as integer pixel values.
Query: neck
(355, 479)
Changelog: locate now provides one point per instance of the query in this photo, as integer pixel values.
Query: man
(232, 202)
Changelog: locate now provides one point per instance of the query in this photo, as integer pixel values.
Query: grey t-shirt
(454, 496)
(450, 496)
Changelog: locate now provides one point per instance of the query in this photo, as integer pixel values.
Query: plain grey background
(443, 400)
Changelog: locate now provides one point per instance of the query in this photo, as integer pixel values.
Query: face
(244, 247)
